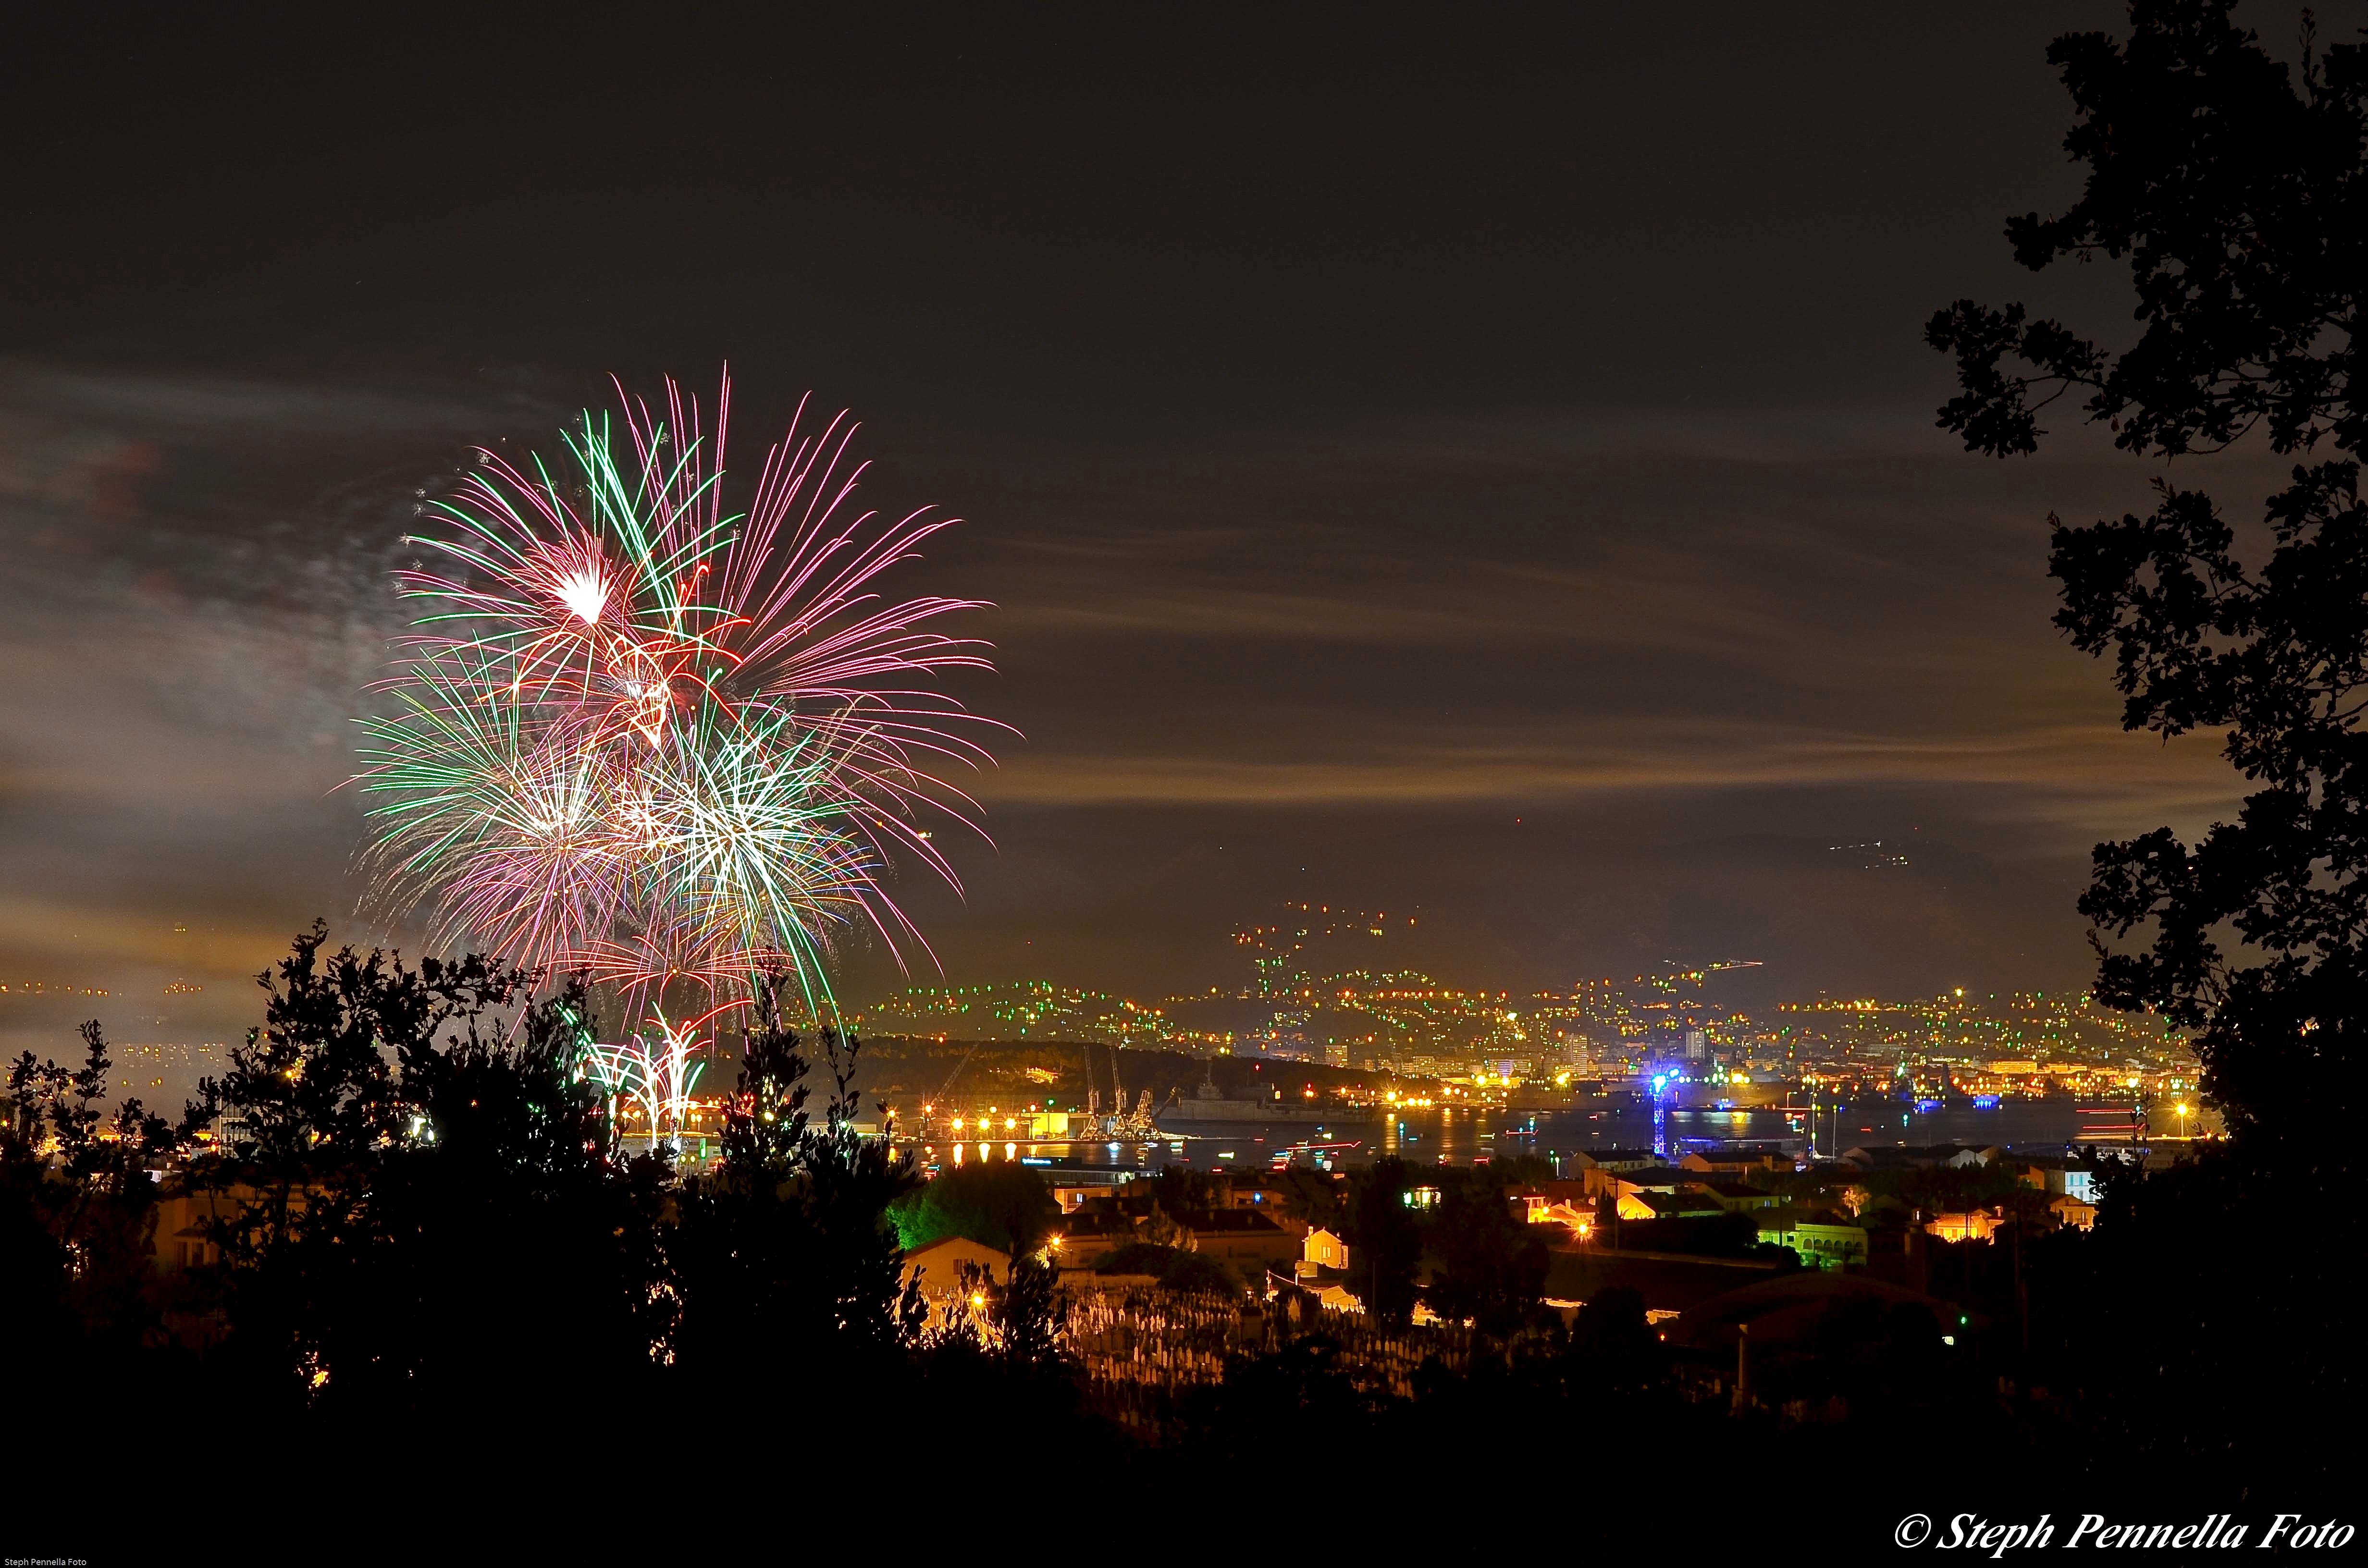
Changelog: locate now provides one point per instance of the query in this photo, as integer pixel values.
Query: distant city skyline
(201, 998)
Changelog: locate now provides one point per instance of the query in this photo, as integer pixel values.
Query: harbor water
(1457, 1136)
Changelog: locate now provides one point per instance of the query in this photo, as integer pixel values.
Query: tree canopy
(995, 1203)
(2232, 185)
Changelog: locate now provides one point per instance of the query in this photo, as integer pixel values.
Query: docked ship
(1725, 1091)
(1210, 1104)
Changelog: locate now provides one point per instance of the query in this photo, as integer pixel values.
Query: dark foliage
(1492, 1266)
(1927, 1190)
(1707, 1235)
(1384, 1245)
(1196, 1273)
(1031, 1313)
(1134, 1258)
(78, 1218)
(1179, 1189)
(2235, 190)
(1519, 1170)
(1302, 1390)
(995, 1203)
(1312, 1197)
(2232, 188)
(422, 1213)
(1176, 1268)
(791, 1230)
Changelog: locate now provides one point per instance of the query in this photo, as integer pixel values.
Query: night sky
(1486, 474)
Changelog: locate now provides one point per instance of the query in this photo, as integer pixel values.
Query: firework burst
(643, 736)
(656, 1072)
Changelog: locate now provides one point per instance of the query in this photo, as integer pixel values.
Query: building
(186, 1220)
(1241, 1236)
(2065, 1178)
(1651, 1179)
(1686, 1205)
(1244, 1237)
(1738, 1198)
(1579, 1220)
(1909, 1156)
(939, 1265)
(1325, 1250)
(1614, 1159)
(2075, 1214)
(1787, 1314)
(1972, 1226)
(1273, 1201)
(1072, 1188)
(1595, 1180)
(1835, 1186)
(1740, 1162)
(1823, 1239)
(1086, 1233)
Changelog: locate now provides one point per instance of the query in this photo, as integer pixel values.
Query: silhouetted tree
(997, 1203)
(1312, 1198)
(419, 1203)
(1613, 1347)
(1493, 1267)
(1384, 1247)
(789, 1236)
(1939, 1189)
(1519, 1170)
(78, 1224)
(1304, 1386)
(1196, 1273)
(1181, 1190)
(2235, 188)
(1031, 1315)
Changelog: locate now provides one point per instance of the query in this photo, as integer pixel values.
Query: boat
(1210, 1104)
(1313, 1157)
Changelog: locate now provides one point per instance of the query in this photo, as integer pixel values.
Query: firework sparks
(641, 736)
(654, 1072)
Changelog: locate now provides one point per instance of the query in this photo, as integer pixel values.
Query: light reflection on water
(1458, 1137)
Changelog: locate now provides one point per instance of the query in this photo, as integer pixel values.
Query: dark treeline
(409, 1224)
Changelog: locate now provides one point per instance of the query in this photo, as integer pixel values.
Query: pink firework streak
(651, 739)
